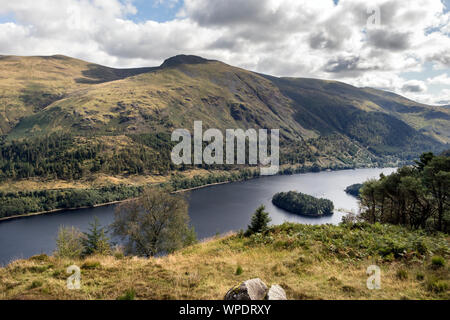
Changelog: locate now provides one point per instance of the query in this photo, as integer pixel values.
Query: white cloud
(280, 37)
(440, 79)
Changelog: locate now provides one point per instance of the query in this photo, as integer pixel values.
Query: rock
(253, 289)
(276, 293)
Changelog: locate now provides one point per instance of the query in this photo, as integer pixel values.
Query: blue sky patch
(152, 10)
(9, 17)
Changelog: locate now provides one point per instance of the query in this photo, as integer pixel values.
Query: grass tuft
(91, 265)
(129, 294)
(402, 274)
(36, 284)
(437, 262)
(436, 285)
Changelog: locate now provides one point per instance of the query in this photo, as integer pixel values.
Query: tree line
(63, 156)
(68, 157)
(23, 202)
(415, 196)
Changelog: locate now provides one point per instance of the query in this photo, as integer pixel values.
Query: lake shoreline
(62, 210)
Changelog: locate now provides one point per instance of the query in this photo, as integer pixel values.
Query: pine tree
(96, 241)
(260, 221)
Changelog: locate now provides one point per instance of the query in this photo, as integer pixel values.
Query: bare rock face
(253, 289)
(276, 293)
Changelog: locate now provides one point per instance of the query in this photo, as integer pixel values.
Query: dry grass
(208, 270)
(95, 181)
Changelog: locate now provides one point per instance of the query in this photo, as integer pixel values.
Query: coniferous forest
(414, 196)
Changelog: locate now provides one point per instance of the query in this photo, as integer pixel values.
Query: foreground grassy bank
(309, 262)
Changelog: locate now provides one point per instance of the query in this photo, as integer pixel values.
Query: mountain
(328, 120)
(28, 85)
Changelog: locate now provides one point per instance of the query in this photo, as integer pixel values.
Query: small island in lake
(354, 189)
(303, 204)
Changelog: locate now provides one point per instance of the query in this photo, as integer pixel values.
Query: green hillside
(63, 118)
(40, 95)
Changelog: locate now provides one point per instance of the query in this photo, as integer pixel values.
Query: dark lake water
(216, 209)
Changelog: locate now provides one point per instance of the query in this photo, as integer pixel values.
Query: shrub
(190, 237)
(437, 262)
(420, 276)
(389, 257)
(130, 294)
(421, 246)
(69, 243)
(239, 270)
(260, 221)
(118, 253)
(436, 285)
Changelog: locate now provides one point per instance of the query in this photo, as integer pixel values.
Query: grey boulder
(276, 293)
(253, 289)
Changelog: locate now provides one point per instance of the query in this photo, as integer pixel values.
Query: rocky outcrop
(255, 289)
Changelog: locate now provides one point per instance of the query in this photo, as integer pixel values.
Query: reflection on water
(216, 209)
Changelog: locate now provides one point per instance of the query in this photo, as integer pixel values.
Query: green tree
(69, 243)
(155, 223)
(369, 200)
(260, 221)
(95, 240)
(437, 179)
(414, 197)
(424, 159)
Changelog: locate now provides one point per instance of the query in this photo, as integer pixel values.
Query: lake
(213, 210)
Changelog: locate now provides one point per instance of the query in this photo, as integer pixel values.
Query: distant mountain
(41, 95)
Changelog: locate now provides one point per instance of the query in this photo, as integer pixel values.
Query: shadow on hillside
(98, 74)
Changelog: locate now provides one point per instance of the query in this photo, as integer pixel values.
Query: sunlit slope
(28, 85)
(40, 95)
(171, 97)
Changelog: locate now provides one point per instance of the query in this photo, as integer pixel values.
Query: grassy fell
(309, 262)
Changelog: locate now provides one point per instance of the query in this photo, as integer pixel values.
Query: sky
(401, 46)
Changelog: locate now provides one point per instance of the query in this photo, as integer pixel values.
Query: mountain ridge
(57, 93)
